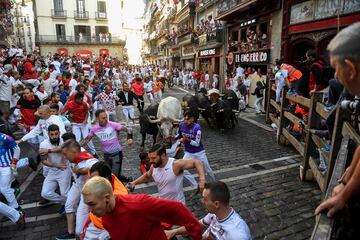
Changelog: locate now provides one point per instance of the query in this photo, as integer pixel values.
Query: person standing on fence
(345, 58)
(292, 76)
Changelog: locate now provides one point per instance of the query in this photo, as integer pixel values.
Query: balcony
(184, 37)
(58, 13)
(81, 15)
(18, 13)
(101, 16)
(19, 24)
(215, 36)
(228, 5)
(61, 39)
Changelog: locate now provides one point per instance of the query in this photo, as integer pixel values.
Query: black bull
(146, 127)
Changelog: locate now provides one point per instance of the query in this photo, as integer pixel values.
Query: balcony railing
(58, 13)
(82, 15)
(101, 15)
(226, 5)
(19, 24)
(183, 37)
(80, 39)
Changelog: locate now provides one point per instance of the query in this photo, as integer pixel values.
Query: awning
(104, 51)
(84, 53)
(62, 51)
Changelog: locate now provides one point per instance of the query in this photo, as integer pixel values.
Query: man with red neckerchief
(82, 162)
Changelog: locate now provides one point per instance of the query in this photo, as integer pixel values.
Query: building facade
(78, 27)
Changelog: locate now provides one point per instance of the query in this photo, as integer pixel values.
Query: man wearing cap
(5, 90)
(345, 58)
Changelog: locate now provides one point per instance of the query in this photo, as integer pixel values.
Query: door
(80, 6)
(58, 7)
(60, 32)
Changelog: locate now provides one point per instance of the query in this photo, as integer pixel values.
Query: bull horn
(235, 111)
(153, 121)
(177, 120)
(201, 109)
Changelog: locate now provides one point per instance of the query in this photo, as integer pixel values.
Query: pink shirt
(108, 136)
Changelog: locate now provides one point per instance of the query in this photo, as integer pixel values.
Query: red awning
(63, 51)
(104, 51)
(84, 53)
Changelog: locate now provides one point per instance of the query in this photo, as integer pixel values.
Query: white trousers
(9, 212)
(92, 232)
(75, 204)
(128, 111)
(198, 156)
(5, 186)
(258, 105)
(81, 131)
(150, 97)
(61, 178)
(158, 96)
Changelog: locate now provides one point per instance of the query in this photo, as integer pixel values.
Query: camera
(352, 105)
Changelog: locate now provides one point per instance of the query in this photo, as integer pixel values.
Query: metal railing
(81, 14)
(226, 5)
(79, 39)
(58, 13)
(101, 15)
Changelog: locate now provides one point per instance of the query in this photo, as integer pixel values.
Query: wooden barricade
(337, 158)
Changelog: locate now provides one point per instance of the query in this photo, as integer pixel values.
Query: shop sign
(62, 51)
(188, 50)
(207, 52)
(253, 57)
(84, 53)
(104, 51)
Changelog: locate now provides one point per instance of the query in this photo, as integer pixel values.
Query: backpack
(21, 69)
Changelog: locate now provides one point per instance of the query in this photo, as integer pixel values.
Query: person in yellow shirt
(93, 228)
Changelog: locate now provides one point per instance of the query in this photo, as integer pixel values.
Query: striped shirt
(8, 150)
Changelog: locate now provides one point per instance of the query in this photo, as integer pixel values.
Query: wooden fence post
(284, 105)
(314, 121)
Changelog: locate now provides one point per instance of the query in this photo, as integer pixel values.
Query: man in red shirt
(138, 89)
(134, 217)
(79, 111)
(30, 74)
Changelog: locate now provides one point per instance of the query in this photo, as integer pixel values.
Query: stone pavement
(262, 176)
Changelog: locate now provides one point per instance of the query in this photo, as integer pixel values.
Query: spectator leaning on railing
(345, 58)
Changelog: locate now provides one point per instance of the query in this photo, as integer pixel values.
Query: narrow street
(262, 176)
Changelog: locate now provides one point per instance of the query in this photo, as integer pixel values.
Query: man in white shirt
(221, 222)
(5, 90)
(239, 71)
(59, 173)
(46, 119)
(149, 89)
(56, 63)
(73, 83)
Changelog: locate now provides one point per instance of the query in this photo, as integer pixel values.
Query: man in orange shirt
(93, 228)
(138, 88)
(157, 90)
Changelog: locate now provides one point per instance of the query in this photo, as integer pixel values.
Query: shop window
(263, 35)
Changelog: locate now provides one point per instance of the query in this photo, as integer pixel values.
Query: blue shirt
(63, 95)
(194, 134)
(7, 147)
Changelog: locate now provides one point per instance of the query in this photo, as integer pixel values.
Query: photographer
(345, 58)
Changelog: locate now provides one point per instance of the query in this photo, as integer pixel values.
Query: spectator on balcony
(80, 37)
(263, 40)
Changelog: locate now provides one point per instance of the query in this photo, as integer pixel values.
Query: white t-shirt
(148, 86)
(72, 84)
(57, 65)
(5, 88)
(57, 158)
(80, 181)
(239, 71)
(233, 227)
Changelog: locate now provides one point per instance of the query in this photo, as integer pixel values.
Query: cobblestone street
(262, 176)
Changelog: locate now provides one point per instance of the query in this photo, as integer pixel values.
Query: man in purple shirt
(107, 132)
(189, 134)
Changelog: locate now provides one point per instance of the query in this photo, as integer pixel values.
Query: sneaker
(21, 221)
(328, 107)
(125, 179)
(43, 202)
(326, 148)
(62, 210)
(33, 164)
(66, 236)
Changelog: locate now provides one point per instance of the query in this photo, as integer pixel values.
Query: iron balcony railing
(79, 39)
(81, 14)
(101, 15)
(58, 13)
(226, 5)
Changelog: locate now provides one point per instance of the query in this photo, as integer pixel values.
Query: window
(80, 5)
(58, 5)
(60, 32)
(101, 7)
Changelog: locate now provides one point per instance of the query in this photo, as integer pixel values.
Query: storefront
(209, 60)
(312, 24)
(188, 57)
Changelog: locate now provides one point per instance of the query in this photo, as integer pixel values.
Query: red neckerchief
(42, 91)
(84, 155)
(46, 78)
